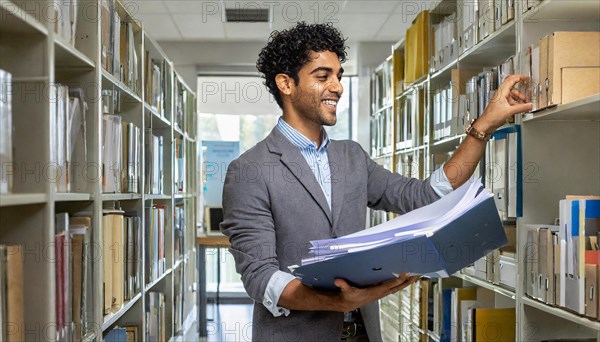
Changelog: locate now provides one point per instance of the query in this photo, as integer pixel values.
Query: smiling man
(298, 185)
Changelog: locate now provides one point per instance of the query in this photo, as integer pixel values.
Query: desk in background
(204, 242)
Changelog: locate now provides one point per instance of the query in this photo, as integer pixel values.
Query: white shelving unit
(560, 156)
(38, 58)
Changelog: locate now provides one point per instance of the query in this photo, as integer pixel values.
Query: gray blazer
(273, 206)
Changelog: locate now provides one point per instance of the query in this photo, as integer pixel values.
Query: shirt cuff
(440, 183)
(277, 283)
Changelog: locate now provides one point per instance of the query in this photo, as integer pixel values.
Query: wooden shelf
(562, 313)
(8, 200)
(493, 50)
(410, 149)
(158, 121)
(448, 143)
(66, 55)
(586, 109)
(130, 96)
(120, 197)
(444, 73)
(157, 197)
(112, 318)
(158, 280)
(487, 285)
(72, 197)
(15, 20)
(178, 130)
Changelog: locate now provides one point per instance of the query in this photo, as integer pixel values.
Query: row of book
(179, 174)
(479, 19)
(499, 266)
(70, 138)
(122, 258)
(128, 333)
(181, 105)
(381, 87)
(562, 261)
(64, 17)
(118, 50)
(156, 318)
(121, 157)
(154, 241)
(154, 163)
(382, 133)
(410, 119)
(179, 282)
(12, 316)
(73, 275)
(467, 313)
(465, 98)
(156, 73)
(559, 77)
(405, 314)
(180, 229)
(6, 131)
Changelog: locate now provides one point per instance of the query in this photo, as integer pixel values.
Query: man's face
(318, 91)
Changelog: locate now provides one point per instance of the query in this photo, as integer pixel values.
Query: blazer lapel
(295, 162)
(337, 166)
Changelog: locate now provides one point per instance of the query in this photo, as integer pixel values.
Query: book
(435, 241)
(6, 129)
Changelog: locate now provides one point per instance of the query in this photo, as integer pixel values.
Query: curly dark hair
(288, 50)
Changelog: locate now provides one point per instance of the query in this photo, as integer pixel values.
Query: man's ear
(284, 83)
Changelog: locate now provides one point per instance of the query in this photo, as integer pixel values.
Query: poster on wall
(217, 155)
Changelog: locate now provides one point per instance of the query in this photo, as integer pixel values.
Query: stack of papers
(435, 241)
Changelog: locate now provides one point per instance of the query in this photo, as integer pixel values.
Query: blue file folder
(449, 249)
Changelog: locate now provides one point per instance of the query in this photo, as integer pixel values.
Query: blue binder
(449, 249)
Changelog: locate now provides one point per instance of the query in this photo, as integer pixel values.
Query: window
(239, 108)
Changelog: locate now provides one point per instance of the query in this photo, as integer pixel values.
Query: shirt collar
(298, 139)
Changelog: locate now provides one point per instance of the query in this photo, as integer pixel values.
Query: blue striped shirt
(316, 157)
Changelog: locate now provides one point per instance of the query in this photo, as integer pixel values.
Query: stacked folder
(464, 221)
(562, 267)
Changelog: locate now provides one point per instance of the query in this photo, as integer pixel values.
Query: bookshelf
(556, 154)
(43, 53)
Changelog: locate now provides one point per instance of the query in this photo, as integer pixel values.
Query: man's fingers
(518, 95)
(342, 284)
(510, 82)
(404, 284)
(520, 108)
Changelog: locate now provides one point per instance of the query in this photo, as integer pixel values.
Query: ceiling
(200, 20)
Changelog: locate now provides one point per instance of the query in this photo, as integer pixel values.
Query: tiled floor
(229, 322)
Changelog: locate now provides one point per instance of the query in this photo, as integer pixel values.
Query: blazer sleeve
(248, 223)
(394, 192)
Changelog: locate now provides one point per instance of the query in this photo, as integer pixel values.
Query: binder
(449, 249)
(503, 322)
